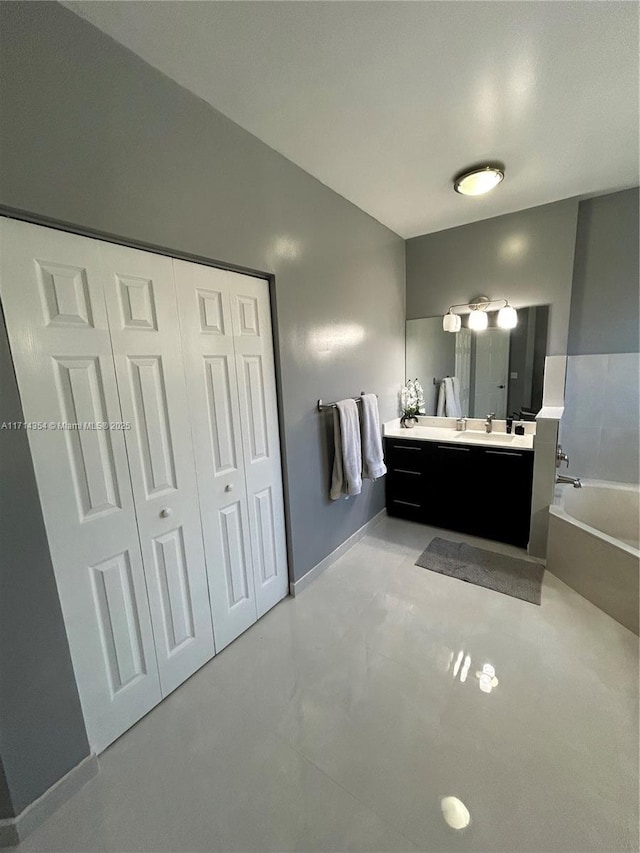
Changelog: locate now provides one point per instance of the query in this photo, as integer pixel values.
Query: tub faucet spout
(575, 481)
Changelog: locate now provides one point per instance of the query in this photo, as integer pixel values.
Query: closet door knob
(228, 487)
(165, 513)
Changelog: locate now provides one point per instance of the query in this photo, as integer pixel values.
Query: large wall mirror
(497, 370)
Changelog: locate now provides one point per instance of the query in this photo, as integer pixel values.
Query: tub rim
(558, 510)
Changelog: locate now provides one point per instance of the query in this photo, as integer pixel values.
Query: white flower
(412, 398)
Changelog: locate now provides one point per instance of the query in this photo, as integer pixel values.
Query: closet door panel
(255, 367)
(205, 321)
(52, 295)
(145, 335)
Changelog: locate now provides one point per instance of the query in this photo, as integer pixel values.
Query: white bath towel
(449, 398)
(454, 409)
(372, 459)
(347, 463)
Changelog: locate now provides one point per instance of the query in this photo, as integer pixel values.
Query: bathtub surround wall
(600, 427)
(95, 137)
(525, 257)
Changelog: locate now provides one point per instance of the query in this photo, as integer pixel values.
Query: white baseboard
(295, 588)
(15, 829)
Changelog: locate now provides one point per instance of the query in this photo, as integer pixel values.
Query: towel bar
(322, 407)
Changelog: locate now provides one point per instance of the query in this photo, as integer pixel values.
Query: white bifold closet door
(53, 298)
(226, 330)
(145, 337)
(169, 533)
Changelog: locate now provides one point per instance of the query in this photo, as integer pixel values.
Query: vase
(408, 421)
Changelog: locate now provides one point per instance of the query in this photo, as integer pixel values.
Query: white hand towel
(452, 396)
(372, 459)
(441, 400)
(347, 463)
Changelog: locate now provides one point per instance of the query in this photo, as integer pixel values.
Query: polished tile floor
(386, 708)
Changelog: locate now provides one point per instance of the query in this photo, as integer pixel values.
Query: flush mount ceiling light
(478, 181)
(478, 318)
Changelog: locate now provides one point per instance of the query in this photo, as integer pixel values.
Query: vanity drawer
(405, 506)
(404, 455)
(403, 482)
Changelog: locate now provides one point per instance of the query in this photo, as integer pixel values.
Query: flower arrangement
(411, 402)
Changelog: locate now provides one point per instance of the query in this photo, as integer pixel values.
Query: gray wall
(604, 300)
(6, 806)
(95, 137)
(42, 734)
(600, 427)
(525, 257)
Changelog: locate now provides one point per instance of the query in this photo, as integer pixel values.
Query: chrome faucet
(575, 481)
(488, 424)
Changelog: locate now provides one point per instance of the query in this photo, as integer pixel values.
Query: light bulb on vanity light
(451, 322)
(478, 320)
(507, 317)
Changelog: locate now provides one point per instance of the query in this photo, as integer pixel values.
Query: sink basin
(472, 436)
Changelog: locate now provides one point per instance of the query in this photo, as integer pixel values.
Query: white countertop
(497, 438)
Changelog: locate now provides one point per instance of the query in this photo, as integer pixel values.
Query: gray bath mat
(508, 575)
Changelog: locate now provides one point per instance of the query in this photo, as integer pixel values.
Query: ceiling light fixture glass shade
(478, 320)
(507, 317)
(478, 181)
(451, 322)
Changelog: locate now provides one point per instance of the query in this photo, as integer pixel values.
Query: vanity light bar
(507, 316)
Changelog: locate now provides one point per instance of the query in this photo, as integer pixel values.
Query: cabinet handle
(452, 447)
(503, 452)
(407, 503)
(405, 471)
(405, 447)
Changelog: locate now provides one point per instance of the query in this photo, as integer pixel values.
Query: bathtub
(593, 545)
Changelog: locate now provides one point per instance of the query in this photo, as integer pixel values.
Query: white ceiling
(385, 101)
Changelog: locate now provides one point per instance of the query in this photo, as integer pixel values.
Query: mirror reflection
(495, 370)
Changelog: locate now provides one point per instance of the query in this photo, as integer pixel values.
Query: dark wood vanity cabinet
(484, 491)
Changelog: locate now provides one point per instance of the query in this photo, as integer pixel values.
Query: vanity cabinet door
(452, 472)
(508, 475)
